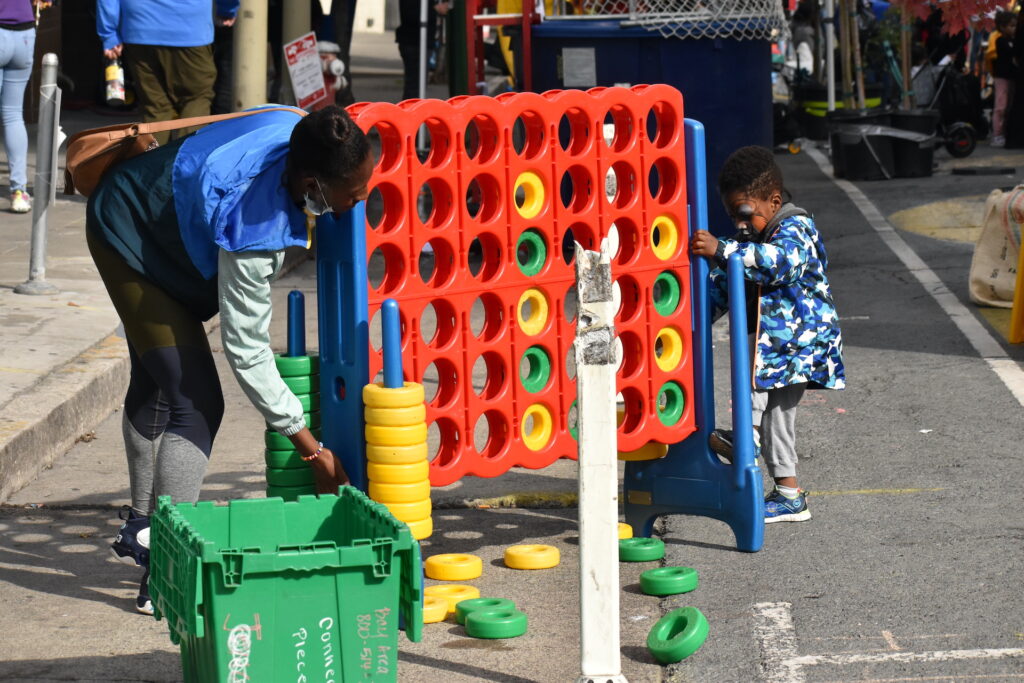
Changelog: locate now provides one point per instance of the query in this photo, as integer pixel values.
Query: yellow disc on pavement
(625, 531)
(453, 593)
(532, 557)
(395, 417)
(396, 436)
(376, 396)
(421, 528)
(398, 474)
(411, 512)
(454, 567)
(400, 493)
(396, 455)
(435, 609)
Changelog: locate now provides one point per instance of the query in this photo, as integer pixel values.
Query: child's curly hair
(751, 170)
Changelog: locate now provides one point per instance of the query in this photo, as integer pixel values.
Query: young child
(797, 344)
(1004, 71)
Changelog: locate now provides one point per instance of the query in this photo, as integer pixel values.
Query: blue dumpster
(726, 83)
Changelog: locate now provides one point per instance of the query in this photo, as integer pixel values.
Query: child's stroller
(956, 98)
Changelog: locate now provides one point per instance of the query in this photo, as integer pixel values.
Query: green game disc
(531, 252)
(668, 580)
(284, 459)
(303, 385)
(297, 366)
(312, 420)
(466, 607)
(310, 402)
(496, 623)
(666, 293)
(290, 492)
(538, 369)
(671, 402)
(276, 442)
(641, 549)
(677, 635)
(298, 476)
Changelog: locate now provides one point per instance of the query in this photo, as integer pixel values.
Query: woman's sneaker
(143, 605)
(131, 545)
(778, 508)
(21, 202)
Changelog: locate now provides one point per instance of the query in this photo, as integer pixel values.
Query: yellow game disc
(376, 396)
(671, 349)
(396, 436)
(625, 531)
(453, 593)
(539, 434)
(398, 474)
(396, 455)
(652, 450)
(533, 194)
(395, 417)
(410, 512)
(435, 609)
(665, 231)
(532, 557)
(421, 529)
(538, 317)
(400, 493)
(453, 567)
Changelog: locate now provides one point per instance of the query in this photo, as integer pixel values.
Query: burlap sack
(993, 274)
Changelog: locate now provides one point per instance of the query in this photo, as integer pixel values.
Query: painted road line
(984, 343)
(874, 492)
(907, 657)
(776, 637)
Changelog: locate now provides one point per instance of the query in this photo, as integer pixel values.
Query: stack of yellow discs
(396, 453)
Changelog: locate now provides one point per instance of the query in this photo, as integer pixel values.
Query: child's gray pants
(775, 412)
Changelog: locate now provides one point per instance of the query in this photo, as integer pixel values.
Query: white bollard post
(46, 166)
(598, 469)
(249, 62)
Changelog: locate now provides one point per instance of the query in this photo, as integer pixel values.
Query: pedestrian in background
(1004, 73)
(167, 47)
(407, 35)
(17, 45)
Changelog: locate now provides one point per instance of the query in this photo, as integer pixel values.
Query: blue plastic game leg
(296, 324)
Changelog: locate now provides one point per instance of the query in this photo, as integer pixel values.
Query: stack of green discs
(288, 476)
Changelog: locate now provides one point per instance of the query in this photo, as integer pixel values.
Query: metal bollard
(45, 188)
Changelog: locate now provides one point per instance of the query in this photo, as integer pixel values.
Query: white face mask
(317, 207)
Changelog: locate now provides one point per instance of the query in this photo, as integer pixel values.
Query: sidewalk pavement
(67, 608)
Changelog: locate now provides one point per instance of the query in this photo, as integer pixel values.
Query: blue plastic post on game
(296, 324)
(342, 301)
(691, 479)
(391, 323)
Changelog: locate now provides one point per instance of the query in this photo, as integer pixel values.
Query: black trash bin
(917, 120)
(812, 106)
(845, 117)
(880, 152)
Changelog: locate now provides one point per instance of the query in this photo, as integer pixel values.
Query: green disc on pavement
(496, 623)
(303, 385)
(297, 366)
(641, 549)
(298, 476)
(668, 580)
(677, 635)
(467, 607)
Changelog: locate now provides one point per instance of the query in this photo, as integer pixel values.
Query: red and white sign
(305, 71)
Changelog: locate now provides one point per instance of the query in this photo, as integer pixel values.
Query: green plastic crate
(246, 587)
(290, 492)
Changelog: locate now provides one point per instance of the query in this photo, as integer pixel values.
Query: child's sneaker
(21, 202)
(131, 545)
(778, 508)
(143, 605)
(721, 442)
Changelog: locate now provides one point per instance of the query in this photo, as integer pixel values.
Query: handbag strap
(136, 129)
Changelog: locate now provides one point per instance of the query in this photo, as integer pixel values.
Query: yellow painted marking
(890, 640)
(21, 370)
(874, 492)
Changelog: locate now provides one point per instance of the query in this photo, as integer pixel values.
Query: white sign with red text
(305, 71)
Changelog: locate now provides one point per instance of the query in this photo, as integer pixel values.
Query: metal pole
(423, 50)
(830, 52)
(598, 469)
(296, 21)
(46, 164)
(249, 64)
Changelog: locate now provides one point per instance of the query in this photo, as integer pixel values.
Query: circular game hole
(622, 192)
(570, 362)
(443, 441)
(489, 375)
(483, 198)
(385, 146)
(440, 383)
(423, 143)
(528, 135)
(632, 410)
(377, 330)
(574, 132)
(535, 369)
(671, 403)
(438, 323)
(666, 293)
(490, 434)
(663, 181)
(631, 362)
(385, 268)
(662, 125)
(570, 306)
(628, 241)
(384, 206)
(531, 252)
(434, 204)
(632, 299)
(619, 123)
(572, 420)
(433, 143)
(481, 139)
(577, 232)
(577, 189)
(483, 258)
(487, 319)
(436, 262)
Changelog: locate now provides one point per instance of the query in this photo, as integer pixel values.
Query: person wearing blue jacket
(167, 47)
(194, 228)
(797, 341)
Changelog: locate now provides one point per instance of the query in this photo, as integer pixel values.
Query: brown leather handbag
(91, 153)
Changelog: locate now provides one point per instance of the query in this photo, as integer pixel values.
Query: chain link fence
(738, 19)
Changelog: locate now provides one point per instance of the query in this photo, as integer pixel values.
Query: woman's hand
(328, 472)
(114, 52)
